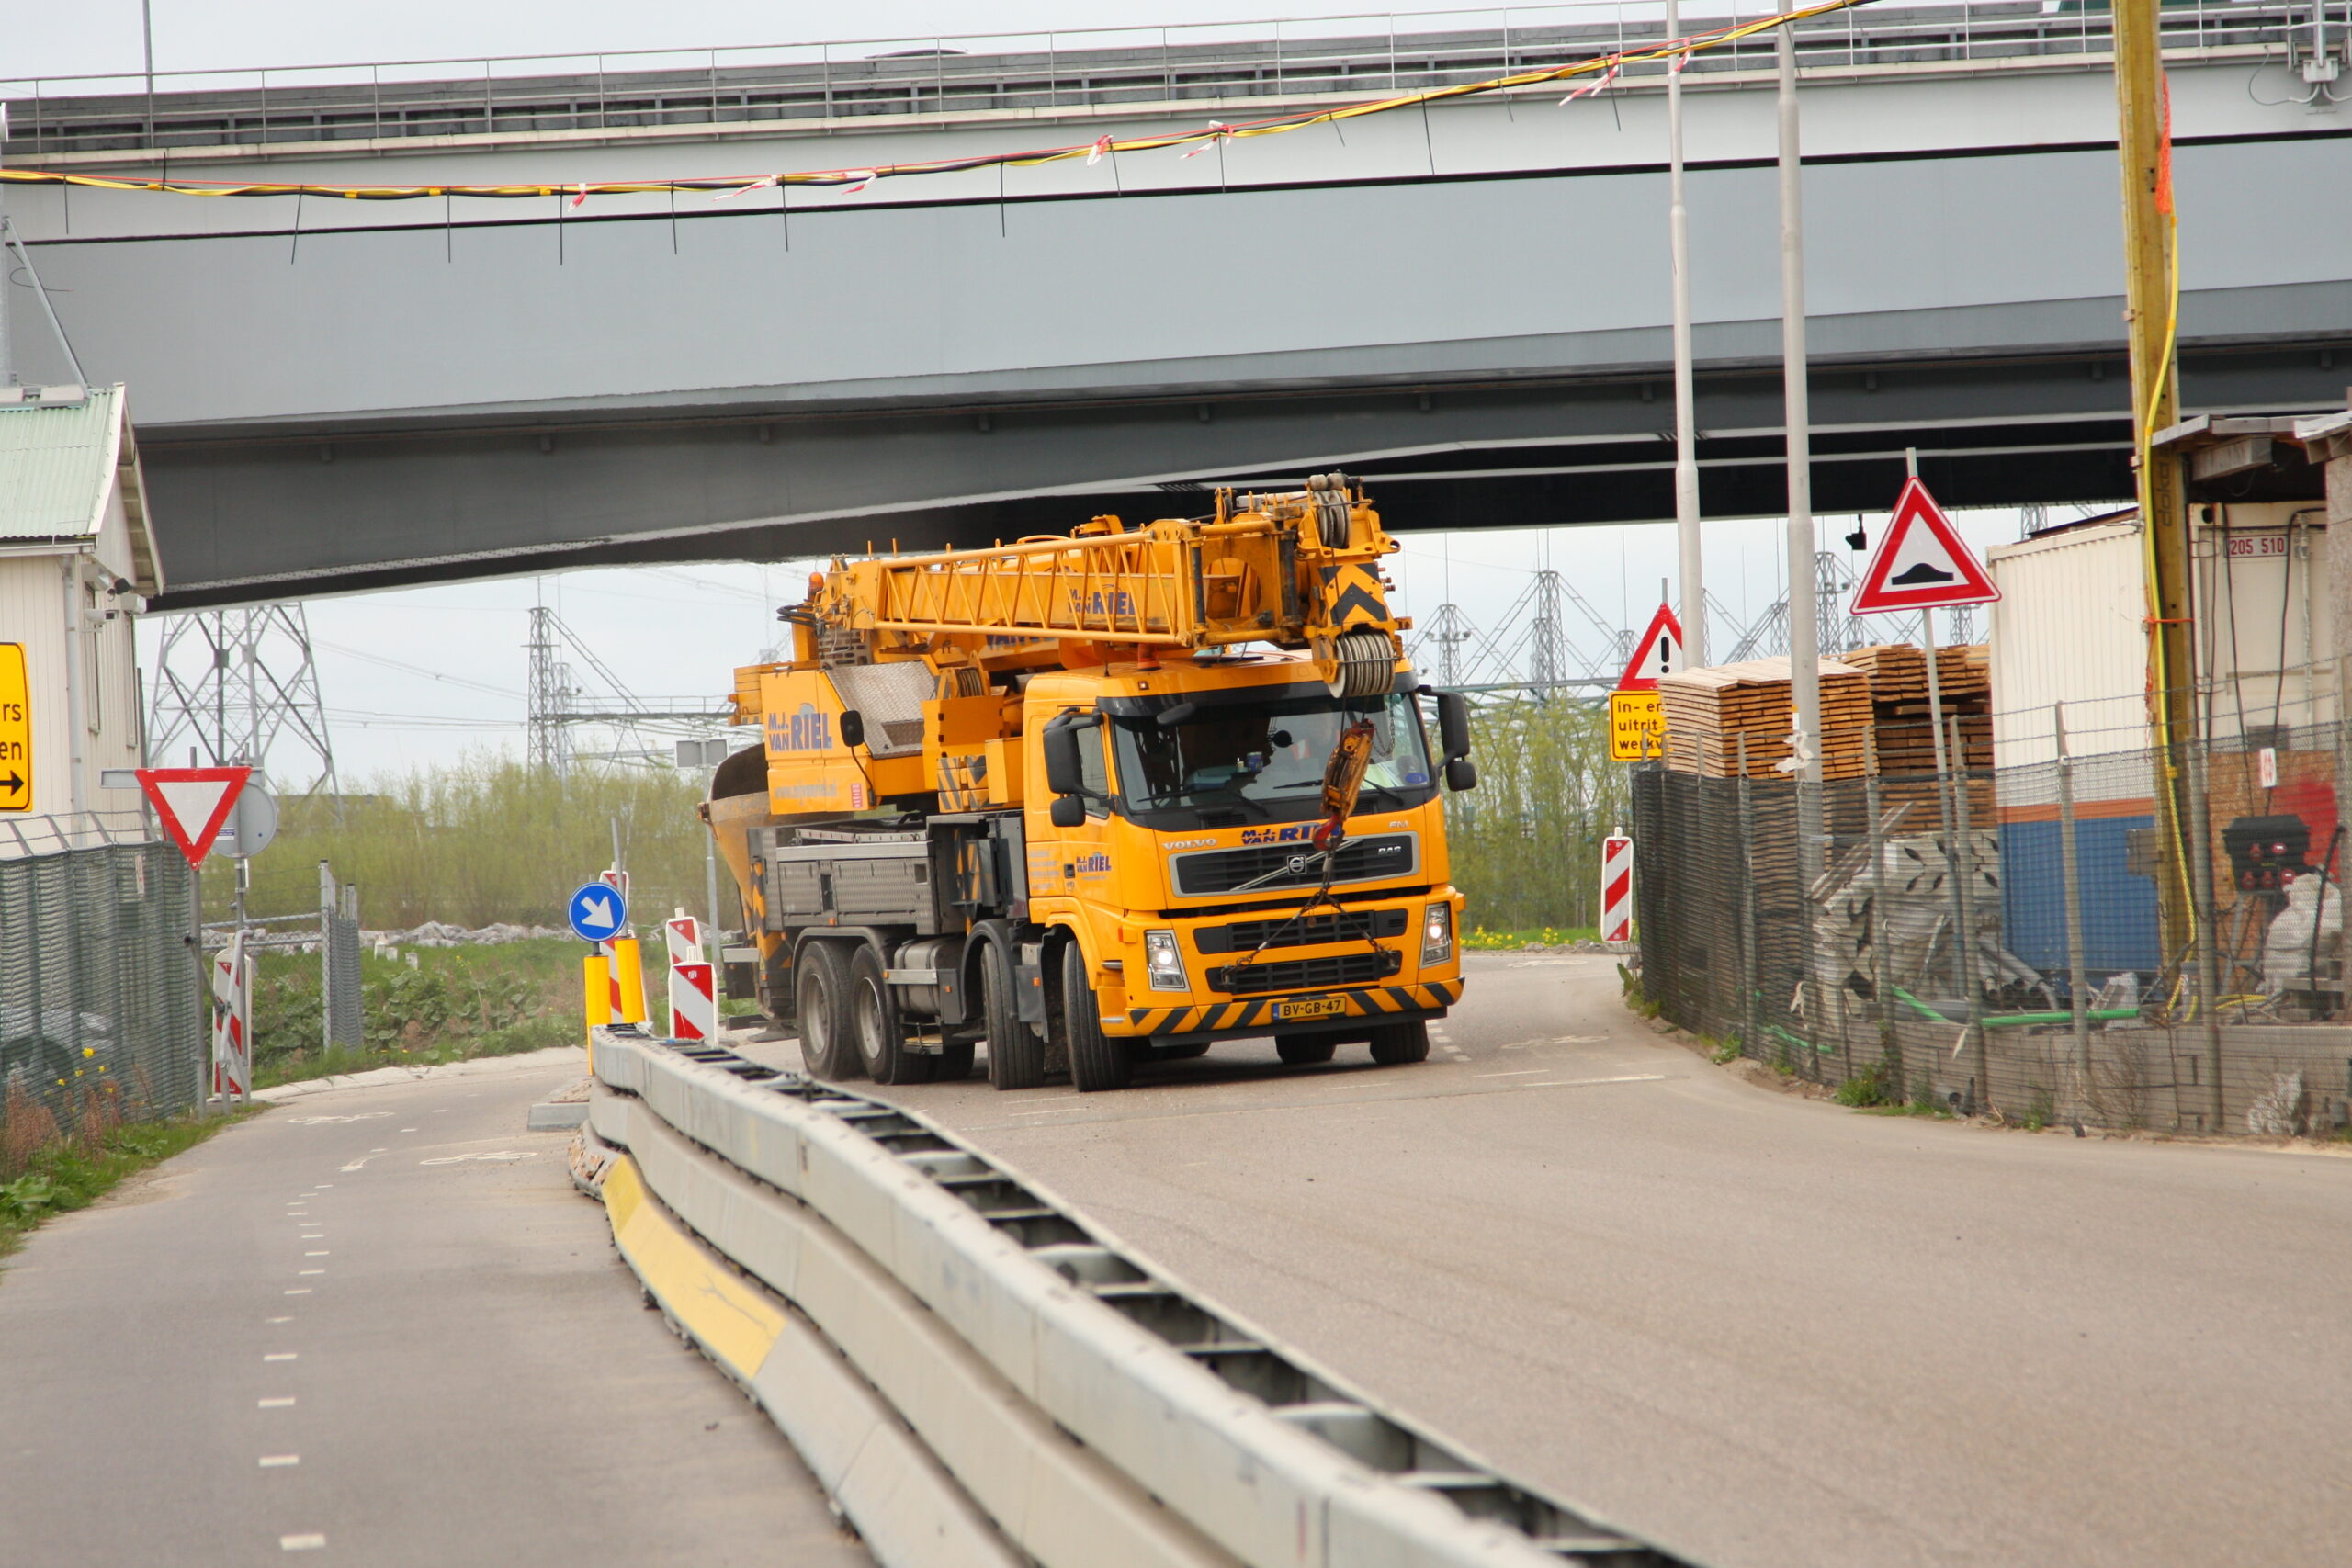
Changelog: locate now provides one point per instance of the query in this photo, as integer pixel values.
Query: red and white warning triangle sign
(1921, 562)
(1658, 653)
(193, 803)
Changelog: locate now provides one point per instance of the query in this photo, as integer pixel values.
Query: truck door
(1073, 861)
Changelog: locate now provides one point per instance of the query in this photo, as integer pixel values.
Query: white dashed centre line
(304, 1273)
(301, 1542)
(321, 1253)
(277, 1320)
(408, 1129)
(299, 1291)
(281, 1355)
(280, 1403)
(280, 1461)
(1516, 1072)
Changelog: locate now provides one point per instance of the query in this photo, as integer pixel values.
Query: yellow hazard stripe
(737, 1324)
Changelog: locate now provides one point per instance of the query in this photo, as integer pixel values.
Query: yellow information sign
(15, 730)
(1636, 726)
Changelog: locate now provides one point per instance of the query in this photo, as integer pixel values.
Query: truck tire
(1395, 1044)
(821, 1001)
(1097, 1061)
(874, 1024)
(1016, 1051)
(1305, 1050)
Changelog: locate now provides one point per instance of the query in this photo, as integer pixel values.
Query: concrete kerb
(910, 1512)
(1061, 1501)
(1256, 1485)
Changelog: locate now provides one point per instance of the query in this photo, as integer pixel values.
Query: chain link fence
(2040, 941)
(99, 993)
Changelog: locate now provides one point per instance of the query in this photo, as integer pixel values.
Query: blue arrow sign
(597, 912)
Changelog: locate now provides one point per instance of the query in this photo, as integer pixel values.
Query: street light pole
(1686, 420)
(1805, 628)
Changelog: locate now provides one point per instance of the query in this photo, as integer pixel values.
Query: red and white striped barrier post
(694, 984)
(232, 1013)
(1617, 890)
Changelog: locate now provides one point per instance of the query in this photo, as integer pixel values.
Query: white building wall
(2070, 628)
(33, 590)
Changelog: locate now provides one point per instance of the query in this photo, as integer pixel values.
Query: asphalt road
(373, 1326)
(1771, 1332)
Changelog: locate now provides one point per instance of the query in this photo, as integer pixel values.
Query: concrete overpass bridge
(1467, 304)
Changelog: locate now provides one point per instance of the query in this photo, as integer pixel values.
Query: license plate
(1311, 1007)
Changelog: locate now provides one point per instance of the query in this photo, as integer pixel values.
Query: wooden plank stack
(1898, 682)
(1707, 712)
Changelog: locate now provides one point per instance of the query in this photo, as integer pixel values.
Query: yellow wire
(723, 185)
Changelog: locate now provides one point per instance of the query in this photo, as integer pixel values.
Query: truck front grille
(1307, 973)
(1295, 864)
(1316, 931)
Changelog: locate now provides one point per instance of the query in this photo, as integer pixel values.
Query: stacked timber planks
(1898, 682)
(1708, 712)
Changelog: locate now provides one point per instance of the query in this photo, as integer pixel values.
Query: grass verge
(1480, 940)
(63, 1177)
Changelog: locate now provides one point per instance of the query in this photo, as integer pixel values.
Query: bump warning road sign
(15, 730)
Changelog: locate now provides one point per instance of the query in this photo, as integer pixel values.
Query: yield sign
(193, 803)
(1921, 562)
(1658, 653)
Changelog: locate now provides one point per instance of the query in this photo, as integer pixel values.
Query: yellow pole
(2151, 274)
(631, 970)
(596, 997)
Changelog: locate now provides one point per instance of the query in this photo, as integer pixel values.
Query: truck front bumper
(1363, 1007)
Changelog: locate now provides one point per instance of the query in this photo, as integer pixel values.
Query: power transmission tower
(550, 695)
(641, 728)
(1547, 649)
(235, 683)
(1449, 631)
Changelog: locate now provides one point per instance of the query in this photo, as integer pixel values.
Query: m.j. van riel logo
(808, 730)
(1298, 834)
(1089, 865)
(1115, 604)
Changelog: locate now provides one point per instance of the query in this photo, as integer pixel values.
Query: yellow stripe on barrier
(735, 1322)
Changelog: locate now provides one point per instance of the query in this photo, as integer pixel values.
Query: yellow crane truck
(1099, 800)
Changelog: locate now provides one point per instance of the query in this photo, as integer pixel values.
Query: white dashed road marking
(299, 1291)
(280, 1461)
(497, 1156)
(1515, 1072)
(281, 1355)
(301, 1542)
(280, 1403)
(322, 1255)
(328, 1120)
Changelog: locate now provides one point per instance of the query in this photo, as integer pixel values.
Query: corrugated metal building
(2070, 629)
(78, 562)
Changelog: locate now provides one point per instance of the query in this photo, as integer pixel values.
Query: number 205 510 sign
(1636, 726)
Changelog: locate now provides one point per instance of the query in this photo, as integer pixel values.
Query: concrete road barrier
(1087, 1411)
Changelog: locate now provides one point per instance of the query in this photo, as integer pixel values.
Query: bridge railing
(1029, 74)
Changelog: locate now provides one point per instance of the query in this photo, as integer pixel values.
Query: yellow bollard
(596, 996)
(631, 970)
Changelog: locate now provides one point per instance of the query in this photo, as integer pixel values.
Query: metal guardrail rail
(826, 84)
(1253, 1450)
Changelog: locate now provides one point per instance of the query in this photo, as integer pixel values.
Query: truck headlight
(1437, 934)
(1165, 962)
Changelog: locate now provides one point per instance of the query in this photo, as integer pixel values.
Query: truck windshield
(1265, 762)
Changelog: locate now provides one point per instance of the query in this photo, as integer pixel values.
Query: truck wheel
(1305, 1050)
(1016, 1051)
(821, 1000)
(880, 1032)
(1394, 1044)
(1096, 1060)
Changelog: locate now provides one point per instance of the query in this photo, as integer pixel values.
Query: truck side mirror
(852, 725)
(1453, 727)
(1065, 774)
(1067, 811)
(1460, 773)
